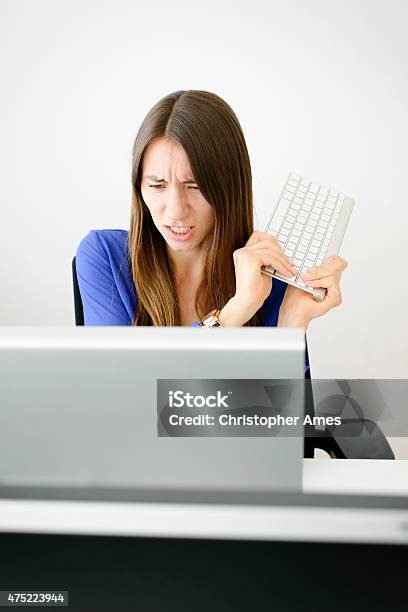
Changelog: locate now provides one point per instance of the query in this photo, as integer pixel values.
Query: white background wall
(320, 88)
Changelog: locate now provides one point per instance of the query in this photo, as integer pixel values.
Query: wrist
(234, 314)
(292, 320)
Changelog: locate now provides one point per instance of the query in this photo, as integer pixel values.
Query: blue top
(106, 284)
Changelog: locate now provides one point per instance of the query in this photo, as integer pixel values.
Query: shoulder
(105, 251)
(104, 242)
(105, 278)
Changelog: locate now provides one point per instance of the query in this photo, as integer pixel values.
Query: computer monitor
(89, 407)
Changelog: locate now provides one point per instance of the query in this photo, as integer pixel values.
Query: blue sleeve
(101, 300)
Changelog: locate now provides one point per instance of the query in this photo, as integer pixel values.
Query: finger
(258, 236)
(325, 283)
(269, 242)
(331, 284)
(330, 267)
(273, 248)
(264, 257)
(278, 260)
(337, 263)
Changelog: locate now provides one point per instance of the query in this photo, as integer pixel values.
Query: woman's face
(179, 211)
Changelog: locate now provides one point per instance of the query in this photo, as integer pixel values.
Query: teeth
(179, 230)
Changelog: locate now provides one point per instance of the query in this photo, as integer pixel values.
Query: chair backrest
(79, 310)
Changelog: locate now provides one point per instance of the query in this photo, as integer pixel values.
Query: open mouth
(177, 229)
(179, 232)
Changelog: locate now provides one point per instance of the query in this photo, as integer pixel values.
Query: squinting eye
(191, 187)
(156, 186)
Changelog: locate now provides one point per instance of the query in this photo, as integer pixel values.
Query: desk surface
(355, 476)
(225, 521)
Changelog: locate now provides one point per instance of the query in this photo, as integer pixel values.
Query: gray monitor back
(78, 407)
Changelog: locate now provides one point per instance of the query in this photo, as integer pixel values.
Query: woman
(191, 247)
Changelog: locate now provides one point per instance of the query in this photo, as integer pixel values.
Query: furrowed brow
(154, 178)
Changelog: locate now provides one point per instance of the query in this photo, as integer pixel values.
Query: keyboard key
(312, 223)
(290, 188)
(302, 214)
(309, 263)
(305, 183)
(290, 219)
(301, 249)
(309, 228)
(298, 262)
(298, 225)
(295, 207)
(292, 183)
(324, 191)
(314, 188)
(295, 177)
(284, 232)
(327, 211)
(338, 207)
(323, 224)
(326, 242)
(296, 232)
(311, 195)
(334, 194)
(341, 197)
(328, 206)
(332, 199)
(287, 195)
(306, 207)
(318, 205)
(287, 225)
(298, 200)
(313, 250)
(318, 235)
(309, 201)
(315, 243)
(307, 235)
(302, 191)
(314, 216)
(321, 198)
(325, 217)
(279, 215)
(304, 242)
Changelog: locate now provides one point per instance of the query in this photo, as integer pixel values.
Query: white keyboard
(309, 221)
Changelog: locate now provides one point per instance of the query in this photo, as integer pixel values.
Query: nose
(177, 207)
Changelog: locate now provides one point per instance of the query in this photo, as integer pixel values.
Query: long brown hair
(209, 132)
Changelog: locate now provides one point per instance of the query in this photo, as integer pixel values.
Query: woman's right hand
(253, 287)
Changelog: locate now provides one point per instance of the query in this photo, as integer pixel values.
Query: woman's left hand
(298, 307)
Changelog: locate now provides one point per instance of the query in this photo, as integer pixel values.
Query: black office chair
(344, 443)
(79, 310)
